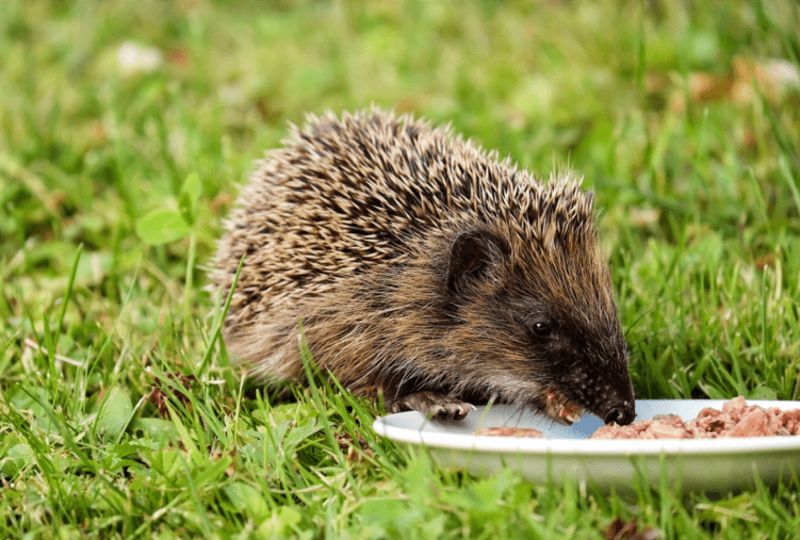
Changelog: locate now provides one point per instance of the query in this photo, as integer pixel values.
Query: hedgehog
(417, 265)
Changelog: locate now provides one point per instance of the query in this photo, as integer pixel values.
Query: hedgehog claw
(433, 405)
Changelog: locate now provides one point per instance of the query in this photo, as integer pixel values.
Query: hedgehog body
(415, 262)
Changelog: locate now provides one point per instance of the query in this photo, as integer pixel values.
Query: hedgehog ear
(472, 253)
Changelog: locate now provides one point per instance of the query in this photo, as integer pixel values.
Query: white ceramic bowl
(566, 451)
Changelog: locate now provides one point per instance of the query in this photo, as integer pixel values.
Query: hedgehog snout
(608, 395)
(617, 404)
(622, 413)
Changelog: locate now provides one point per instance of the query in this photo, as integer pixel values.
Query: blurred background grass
(682, 117)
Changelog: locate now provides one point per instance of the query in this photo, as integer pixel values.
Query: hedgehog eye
(541, 329)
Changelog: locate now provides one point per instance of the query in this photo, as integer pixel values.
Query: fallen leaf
(159, 396)
(354, 451)
(629, 530)
(178, 57)
(704, 87)
(772, 76)
(221, 202)
(765, 261)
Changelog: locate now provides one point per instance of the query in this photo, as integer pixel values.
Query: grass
(121, 415)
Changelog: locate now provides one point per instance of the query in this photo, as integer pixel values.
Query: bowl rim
(385, 426)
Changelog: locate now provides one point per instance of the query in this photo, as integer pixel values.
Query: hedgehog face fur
(425, 267)
(541, 319)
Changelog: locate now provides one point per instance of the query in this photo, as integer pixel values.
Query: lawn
(126, 129)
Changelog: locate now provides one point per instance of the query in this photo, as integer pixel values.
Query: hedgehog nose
(622, 414)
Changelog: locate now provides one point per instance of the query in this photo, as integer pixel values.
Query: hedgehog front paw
(561, 409)
(432, 405)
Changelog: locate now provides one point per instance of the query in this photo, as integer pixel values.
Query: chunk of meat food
(736, 419)
(509, 432)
